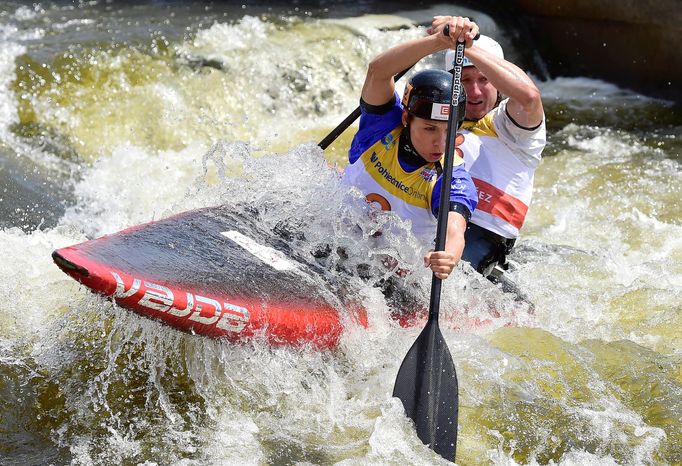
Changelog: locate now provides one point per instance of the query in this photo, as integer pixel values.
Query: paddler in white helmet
(503, 138)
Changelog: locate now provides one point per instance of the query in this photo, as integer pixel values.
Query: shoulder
(374, 126)
(501, 115)
(389, 114)
(525, 142)
(483, 127)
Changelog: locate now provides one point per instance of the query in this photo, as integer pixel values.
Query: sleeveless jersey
(414, 195)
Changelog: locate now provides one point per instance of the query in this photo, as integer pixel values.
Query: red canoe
(212, 273)
(215, 273)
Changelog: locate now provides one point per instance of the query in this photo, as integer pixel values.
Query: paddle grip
(446, 31)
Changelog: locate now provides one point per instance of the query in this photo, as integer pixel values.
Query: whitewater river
(113, 114)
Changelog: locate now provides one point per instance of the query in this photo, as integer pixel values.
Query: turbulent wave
(116, 122)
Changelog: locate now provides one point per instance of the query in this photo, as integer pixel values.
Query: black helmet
(428, 94)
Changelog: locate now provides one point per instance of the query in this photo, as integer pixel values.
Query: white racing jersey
(501, 158)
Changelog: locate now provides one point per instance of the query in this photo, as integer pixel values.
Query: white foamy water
(588, 378)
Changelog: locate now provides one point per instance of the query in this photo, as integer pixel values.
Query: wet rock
(632, 44)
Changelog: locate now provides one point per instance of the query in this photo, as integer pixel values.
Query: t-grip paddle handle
(446, 31)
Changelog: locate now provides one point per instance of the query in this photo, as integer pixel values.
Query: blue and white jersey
(412, 192)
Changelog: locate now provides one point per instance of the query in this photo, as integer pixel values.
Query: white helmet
(488, 44)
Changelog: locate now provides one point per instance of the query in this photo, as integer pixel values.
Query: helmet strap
(406, 151)
(406, 139)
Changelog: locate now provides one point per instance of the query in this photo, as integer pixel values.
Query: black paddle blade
(427, 386)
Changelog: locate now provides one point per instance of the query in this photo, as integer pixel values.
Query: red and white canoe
(215, 273)
(212, 273)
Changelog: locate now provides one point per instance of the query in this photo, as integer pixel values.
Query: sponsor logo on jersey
(458, 186)
(386, 173)
(428, 174)
(388, 141)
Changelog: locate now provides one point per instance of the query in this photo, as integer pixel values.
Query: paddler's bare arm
(379, 86)
(525, 102)
(443, 262)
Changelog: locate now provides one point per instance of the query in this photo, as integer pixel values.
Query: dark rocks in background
(634, 44)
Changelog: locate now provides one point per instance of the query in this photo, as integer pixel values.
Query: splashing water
(141, 127)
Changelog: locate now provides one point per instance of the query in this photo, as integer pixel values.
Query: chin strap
(406, 142)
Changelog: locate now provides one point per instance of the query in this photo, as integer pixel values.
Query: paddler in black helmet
(396, 156)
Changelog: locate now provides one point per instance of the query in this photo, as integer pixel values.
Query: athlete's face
(481, 95)
(428, 137)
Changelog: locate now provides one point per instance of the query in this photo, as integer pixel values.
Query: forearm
(508, 78)
(379, 86)
(454, 243)
(392, 61)
(525, 100)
